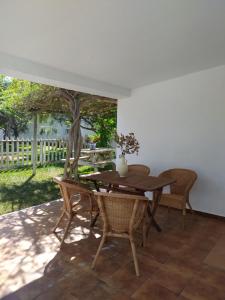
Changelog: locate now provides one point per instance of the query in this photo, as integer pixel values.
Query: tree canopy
(20, 99)
(13, 120)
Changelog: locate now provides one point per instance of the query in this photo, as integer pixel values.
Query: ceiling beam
(25, 69)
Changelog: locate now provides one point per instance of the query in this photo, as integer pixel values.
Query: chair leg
(144, 235)
(168, 212)
(91, 216)
(134, 256)
(189, 205)
(98, 251)
(184, 214)
(93, 221)
(66, 229)
(144, 232)
(58, 222)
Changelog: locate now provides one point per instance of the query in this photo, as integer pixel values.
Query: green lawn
(19, 189)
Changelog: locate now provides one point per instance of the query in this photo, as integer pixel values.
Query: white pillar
(34, 144)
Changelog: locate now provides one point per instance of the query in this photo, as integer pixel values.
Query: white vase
(122, 167)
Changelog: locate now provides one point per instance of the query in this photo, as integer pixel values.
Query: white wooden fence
(15, 153)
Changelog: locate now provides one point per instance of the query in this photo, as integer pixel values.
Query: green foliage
(94, 138)
(19, 99)
(12, 92)
(85, 170)
(100, 117)
(106, 128)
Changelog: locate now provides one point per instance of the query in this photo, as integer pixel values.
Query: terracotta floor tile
(151, 290)
(216, 257)
(147, 260)
(105, 268)
(81, 285)
(96, 293)
(180, 297)
(11, 297)
(197, 290)
(212, 276)
(120, 296)
(32, 266)
(193, 254)
(188, 266)
(159, 252)
(56, 293)
(125, 279)
(173, 280)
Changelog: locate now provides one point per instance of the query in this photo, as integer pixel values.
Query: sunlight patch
(25, 245)
(97, 235)
(72, 258)
(28, 221)
(81, 218)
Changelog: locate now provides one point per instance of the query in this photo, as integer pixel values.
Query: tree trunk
(74, 139)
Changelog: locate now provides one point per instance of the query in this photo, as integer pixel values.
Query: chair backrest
(121, 213)
(185, 179)
(69, 188)
(139, 169)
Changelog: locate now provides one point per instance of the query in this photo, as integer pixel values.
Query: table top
(134, 180)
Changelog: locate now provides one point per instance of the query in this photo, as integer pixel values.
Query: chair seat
(179, 190)
(172, 200)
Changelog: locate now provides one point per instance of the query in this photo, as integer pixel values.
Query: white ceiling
(111, 45)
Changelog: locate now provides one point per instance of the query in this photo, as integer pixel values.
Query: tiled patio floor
(176, 264)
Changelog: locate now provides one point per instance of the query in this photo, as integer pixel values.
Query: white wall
(181, 123)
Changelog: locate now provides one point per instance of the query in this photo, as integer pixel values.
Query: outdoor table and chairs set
(121, 201)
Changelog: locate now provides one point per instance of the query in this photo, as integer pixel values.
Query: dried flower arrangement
(128, 144)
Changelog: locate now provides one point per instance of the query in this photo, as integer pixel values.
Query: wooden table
(91, 158)
(141, 183)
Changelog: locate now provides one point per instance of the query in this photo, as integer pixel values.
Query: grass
(20, 189)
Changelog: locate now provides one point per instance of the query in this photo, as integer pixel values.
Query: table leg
(97, 215)
(98, 190)
(151, 212)
(154, 223)
(96, 186)
(109, 188)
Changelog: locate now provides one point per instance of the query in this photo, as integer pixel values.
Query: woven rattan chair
(179, 191)
(137, 169)
(121, 215)
(73, 194)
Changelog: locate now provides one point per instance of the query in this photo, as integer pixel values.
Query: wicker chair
(137, 169)
(179, 191)
(121, 215)
(73, 193)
